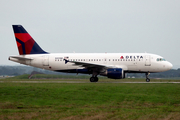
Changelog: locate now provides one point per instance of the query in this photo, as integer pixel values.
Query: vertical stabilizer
(25, 43)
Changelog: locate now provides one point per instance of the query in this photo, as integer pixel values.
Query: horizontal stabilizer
(20, 58)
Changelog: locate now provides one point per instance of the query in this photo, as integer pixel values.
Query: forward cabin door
(147, 60)
(45, 60)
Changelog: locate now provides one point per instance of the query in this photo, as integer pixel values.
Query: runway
(83, 82)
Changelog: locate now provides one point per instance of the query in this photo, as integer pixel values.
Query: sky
(94, 26)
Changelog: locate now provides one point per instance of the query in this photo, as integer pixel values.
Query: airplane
(111, 65)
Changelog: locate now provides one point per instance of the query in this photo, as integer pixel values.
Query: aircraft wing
(88, 65)
(91, 66)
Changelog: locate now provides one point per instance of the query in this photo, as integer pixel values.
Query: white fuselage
(129, 62)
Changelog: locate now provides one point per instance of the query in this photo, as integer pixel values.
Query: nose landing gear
(147, 79)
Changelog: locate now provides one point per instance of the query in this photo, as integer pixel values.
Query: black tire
(93, 79)
(96, 79)
(147, 80)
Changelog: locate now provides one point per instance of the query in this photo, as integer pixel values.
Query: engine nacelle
(115, 73)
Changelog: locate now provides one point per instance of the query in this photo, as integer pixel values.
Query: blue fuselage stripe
(84, 71)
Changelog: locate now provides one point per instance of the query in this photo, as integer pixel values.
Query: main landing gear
(147, 79)
(94, 79)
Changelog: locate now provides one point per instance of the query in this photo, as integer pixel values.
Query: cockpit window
(161, 59)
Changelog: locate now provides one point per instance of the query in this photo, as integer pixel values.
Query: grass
(89, 101)
(84, 78)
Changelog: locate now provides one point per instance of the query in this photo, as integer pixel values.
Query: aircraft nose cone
(170, 66)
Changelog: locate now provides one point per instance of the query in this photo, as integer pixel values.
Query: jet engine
(115, 73)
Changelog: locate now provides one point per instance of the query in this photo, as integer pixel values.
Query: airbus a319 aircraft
(112, 65)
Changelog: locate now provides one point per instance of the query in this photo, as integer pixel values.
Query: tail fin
(25, 43)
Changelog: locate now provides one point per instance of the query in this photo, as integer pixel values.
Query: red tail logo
(25, 43)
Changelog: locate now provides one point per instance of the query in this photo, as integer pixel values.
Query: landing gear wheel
(96, 79)
(147, 80)
(93, 79)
